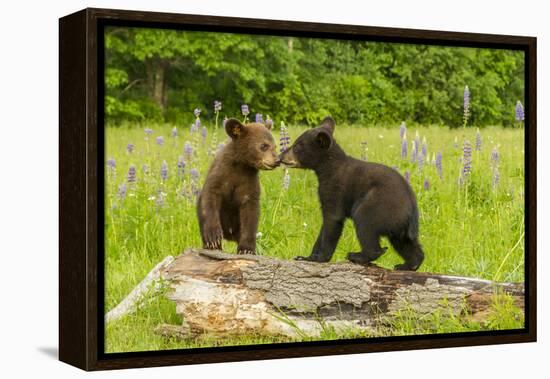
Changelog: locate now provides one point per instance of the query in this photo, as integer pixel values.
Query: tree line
(162, 75)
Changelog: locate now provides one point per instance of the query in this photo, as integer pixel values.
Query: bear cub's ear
(324, 139)
(234, 128)
(328, 123)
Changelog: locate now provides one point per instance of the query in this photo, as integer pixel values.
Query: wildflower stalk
(520, 113)
(466, 106)
(217, 109)
(284, 144)
(245, 111)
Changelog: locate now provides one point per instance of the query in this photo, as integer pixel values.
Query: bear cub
(376, 197)
(229, 203)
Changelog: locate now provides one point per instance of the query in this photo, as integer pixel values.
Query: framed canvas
(217, 174)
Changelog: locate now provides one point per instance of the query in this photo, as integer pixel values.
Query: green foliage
(473, 229)
(301, 80)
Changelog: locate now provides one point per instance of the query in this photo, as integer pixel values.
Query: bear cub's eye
(264, 147)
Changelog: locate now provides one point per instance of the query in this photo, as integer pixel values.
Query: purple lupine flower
(495, 160)
(194, 174)
(268, 122)
(188, 150)
(244, 109)
(259, 118)
(132, 174)
(404, 148)
(408, 176)
(148, 132)
(495, 157)
(417, 141)
(286, 179)
(217, 106)
(122, 191)
(439, 164)
(426, 184)
(413, 152)
(181, 166)
(111, 164)
(145, 169)
(466, 159)
(402, 130)
(204, 133)
(197, 125)
(496, 177)
(197, 112)
(520, 113)
(160, 140)
(284, 139)
(466, 97)
(424, 147)
(364, 150)
(174, 132)
(478, 140)
(130, 148)
(466, 105)
(164, 171)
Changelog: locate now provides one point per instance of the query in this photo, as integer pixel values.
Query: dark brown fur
(229, 203)
(376, 197)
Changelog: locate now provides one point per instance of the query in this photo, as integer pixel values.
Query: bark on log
(228, 295)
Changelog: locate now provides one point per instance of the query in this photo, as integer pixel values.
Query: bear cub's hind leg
(368, 236)
(410, 250)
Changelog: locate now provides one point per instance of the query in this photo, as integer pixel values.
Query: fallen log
(225, 295)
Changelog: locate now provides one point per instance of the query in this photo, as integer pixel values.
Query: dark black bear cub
(376, 197)
(229, 203)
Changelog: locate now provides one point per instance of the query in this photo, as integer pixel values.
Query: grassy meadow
(470, 227)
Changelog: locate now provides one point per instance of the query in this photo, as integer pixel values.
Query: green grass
(471, 230)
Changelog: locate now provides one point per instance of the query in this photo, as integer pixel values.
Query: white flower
(305, 225)
(151, 198)
(259, 235)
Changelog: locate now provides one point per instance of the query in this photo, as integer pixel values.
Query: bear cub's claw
(241, 251)
(213, 245)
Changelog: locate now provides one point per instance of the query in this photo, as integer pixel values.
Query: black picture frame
(81, 188)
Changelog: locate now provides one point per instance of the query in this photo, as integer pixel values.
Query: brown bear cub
(376, 197)
(229, 203)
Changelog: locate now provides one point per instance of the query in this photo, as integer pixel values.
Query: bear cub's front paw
(242, 250)
(212, 238)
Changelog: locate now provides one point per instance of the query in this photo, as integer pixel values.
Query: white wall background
(29, 216)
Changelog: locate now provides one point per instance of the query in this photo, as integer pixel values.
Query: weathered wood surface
(225, 294)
